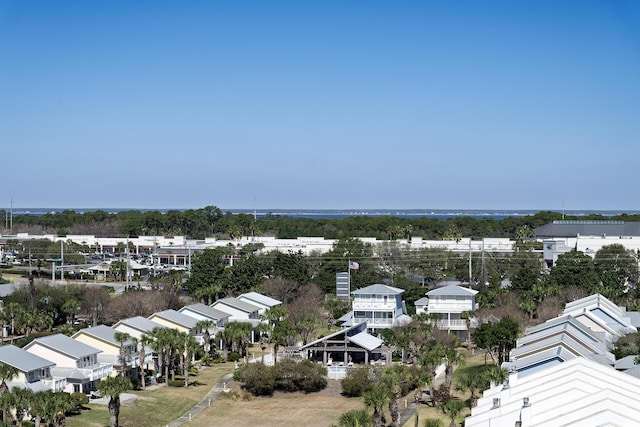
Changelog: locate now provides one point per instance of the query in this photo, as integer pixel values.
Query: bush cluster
(286, 375)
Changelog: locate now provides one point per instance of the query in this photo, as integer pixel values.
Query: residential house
(259, 300)
(104, 338)
(449, 303)
(34, 372)
(421, 305)
(579, 392)
(600, 314)
(201, 311)
(137, 327)
(181, 322)
(74, 360)
(240, 311)
(380, 306)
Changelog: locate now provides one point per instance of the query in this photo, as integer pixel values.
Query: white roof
(378, 289)
(177, 318)
(451, 290)
(22, 359)
(365, 340)
(103, 333)
(260, 299)
(237, 304)
(579, 392)
(140, 323)
(65, 345)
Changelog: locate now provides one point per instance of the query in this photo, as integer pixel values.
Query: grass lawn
(282, 409)
(156, 407)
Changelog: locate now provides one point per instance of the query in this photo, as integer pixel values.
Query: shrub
(357, 381)
(310, 377)
(233, 357)
(258, 378)
(175, 383)
(80, 399)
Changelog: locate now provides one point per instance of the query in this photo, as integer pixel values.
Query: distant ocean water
(346, 213)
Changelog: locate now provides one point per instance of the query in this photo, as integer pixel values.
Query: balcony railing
(55, 384)
(457, 324)
(361, 305)
(97, 372)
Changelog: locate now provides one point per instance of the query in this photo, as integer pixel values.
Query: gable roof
(577, 392)
(571, 228)
(65, 345)
(422, 301)
(177, 318)
(22, 359)
(104, 334)
(237, 304)
(378, 289)
(139, 323)
(350, 331)
(205, 310)
(452, 290)
(260, 299)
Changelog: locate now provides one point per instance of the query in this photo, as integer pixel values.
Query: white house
(579, 392)
(201, 311)
(380, 306)
(75, 361)
(178, 321)
(259, 300)
(34, 372)
(104, 338)
(450, 302)
(239, 311)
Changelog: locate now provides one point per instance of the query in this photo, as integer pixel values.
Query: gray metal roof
(65, 345)
(177, 318)
(422, 301)
(366, 340)
(103, 333)
(588, 228)
(205, 310)
(452, 290)
(236, 303)
(378, 289)
(140, 323)
(22, 359)
(259, 298)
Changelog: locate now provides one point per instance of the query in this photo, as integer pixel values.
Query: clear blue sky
(327, 104)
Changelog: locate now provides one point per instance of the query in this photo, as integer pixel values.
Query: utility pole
(470, 269)
(61, 260)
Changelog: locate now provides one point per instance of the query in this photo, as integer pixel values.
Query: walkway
(204, 403)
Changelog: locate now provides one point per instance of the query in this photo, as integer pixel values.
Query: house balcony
(363, 306)
(97, 372)
(450, 307)
(55, 384)
(452, 325)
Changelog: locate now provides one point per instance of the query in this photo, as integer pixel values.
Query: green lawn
(156, 407)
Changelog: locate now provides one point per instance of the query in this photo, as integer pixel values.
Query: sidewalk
(204, 403)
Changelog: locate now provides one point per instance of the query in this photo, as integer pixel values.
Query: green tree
(452, 409)
(122, 338)
(376, 399)
(498, 339)
(7, 373)
(114, 387)
(575, 269)
(355, 418)
(209, 276)
(618, 270)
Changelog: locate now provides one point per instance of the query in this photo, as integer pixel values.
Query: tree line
(212, 221)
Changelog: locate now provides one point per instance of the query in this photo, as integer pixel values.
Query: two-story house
(262, 301)
(380, 306)
(448, 303)
(181, 322)
(34, 372)
(74, 360)
(104, 338)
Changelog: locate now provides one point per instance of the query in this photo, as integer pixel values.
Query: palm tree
(377, 399)
(451, 358)
(355, 418)
(114, 387)
(61, 403)
(122, 337)
(205, 326)
(39, 404)
(452, 408)
(144, 341)
(7, 373)
(471, 382)
(188, 347)
(22, 398)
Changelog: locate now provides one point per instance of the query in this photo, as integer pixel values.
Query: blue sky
(329, 104)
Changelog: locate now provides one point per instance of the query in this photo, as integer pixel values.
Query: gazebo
(347, 346)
